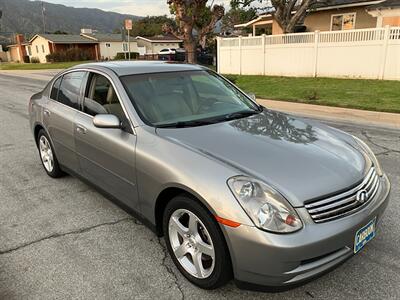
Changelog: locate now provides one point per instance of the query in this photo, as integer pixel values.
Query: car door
(106, 156)
(59, 117)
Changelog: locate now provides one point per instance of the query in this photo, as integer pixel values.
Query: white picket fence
(362, 53)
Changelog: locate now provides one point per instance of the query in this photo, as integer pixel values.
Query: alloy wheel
(191, 243)
(46, 154)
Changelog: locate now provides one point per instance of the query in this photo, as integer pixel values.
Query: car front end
(291, 245)
(282, 260)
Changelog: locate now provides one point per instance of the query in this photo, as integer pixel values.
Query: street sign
(128, 24)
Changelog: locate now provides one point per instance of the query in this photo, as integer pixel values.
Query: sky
(134, 7)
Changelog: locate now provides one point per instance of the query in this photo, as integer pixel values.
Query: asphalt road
(62, 239)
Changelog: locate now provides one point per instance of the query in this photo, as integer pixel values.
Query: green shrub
(35, 60)
(73, 54)
(121, 55)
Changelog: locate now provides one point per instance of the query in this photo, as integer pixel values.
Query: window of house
(43, 48)
(70, 89)
(125, 47)
(29, 50)
(343, 21)
(108, 45)
(37, 49)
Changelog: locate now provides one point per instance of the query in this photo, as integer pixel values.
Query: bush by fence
(69, 55)
(124, 55)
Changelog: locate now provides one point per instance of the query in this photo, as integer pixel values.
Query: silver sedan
(237, 190)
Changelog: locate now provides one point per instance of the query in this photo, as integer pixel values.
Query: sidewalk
(45, 75)
(363, 117)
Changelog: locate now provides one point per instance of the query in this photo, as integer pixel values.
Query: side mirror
(252, 96)
(106, 121)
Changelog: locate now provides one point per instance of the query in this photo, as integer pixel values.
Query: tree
(148, 26)
(288, 13)
(195, 21)
(237, 15)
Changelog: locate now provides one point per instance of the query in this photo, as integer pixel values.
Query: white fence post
(384, 51)
(240, 55)
(263, 49)
(218, 54)
(330, 54)
(316, 41)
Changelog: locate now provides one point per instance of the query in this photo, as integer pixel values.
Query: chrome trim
(345, 203)
(349, 192)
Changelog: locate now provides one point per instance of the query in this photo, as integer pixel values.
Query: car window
(100, 98)
(70, 89)
(170, 97)
(55, 88)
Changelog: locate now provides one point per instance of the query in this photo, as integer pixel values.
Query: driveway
(62, 239)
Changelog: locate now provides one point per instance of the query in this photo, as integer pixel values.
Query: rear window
(55, 89)
(70, 88)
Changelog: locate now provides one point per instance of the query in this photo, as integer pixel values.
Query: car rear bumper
(261, 258)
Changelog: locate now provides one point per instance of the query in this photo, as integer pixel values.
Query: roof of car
(122, 68)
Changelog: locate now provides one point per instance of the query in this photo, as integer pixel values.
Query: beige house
(336, 15)
(43, 44)
(16, 52)
(112, 44)
(3, 55)
(155, 44)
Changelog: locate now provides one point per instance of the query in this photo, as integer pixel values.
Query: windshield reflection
(277, 126)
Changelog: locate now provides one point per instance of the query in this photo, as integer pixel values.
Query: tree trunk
(190, 48)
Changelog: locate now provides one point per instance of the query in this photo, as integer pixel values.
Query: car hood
(302, 159)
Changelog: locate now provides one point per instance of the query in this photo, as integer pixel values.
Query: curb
(346, 115)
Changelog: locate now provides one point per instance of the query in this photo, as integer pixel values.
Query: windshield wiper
(182, 124)
(241, 114)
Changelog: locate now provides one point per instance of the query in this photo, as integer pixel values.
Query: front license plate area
(364, 235)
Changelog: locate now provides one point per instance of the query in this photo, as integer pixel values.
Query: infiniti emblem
(362, 196)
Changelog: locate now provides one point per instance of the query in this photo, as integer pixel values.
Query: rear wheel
(196, 243)
(47, 155)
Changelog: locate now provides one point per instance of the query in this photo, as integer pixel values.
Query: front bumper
(282, 260)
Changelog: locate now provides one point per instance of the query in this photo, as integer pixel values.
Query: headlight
(265, 206)
(364, 147)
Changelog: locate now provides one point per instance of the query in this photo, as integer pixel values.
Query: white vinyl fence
(362, 53)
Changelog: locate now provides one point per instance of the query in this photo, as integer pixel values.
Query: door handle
(81, 129)
(46, 112)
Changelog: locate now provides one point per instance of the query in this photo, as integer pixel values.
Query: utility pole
(128, 27)
(44, 17)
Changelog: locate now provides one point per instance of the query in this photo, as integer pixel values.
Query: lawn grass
(376, 95)
(60, 65)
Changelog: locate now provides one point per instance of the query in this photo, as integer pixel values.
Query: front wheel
(195, 243)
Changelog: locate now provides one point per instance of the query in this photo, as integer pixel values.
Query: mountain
(24, 16)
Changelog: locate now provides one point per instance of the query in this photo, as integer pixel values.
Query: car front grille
(345, 203)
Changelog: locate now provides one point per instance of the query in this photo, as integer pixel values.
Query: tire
(47, 155)
(214, 271)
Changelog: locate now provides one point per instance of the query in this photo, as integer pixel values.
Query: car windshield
(189, 98)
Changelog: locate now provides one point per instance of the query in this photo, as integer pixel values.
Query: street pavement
(61, 239)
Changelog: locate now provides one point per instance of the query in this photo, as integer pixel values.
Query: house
(43, 44)
(335, 15)
(17, 51)
(112, 44)
(3, 55)
(387, 13)
(154, 44)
